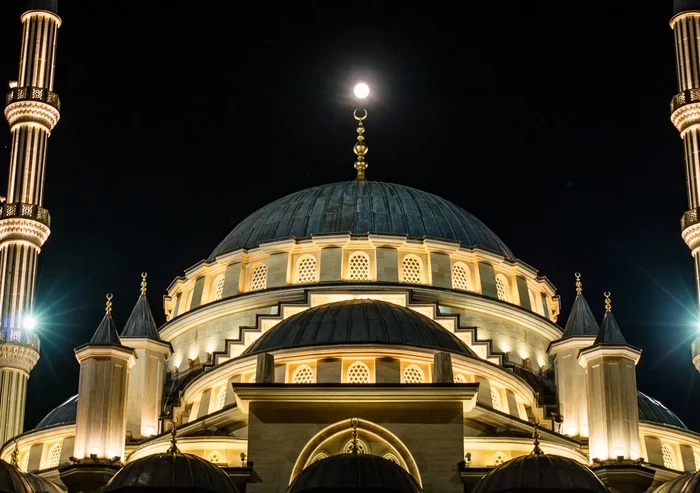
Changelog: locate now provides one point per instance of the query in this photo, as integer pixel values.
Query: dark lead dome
(63, 414)
(540, 473)
(171, 472)
(686, 483)
(12, 480)
(358, 322)
(360, 208)
(652, 410)
(354, 472)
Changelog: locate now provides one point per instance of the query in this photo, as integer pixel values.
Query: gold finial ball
(143, 282)
(108, 307)
(608, 303)
(361, 90)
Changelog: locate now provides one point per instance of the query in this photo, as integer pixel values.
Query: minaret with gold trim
(32, 110)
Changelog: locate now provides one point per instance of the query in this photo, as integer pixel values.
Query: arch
(258, 278)
(696, 456)
(306, 270)
(413, 374)
(218, 287)
(358, 372)
(460, 378)
(341, 431)
(221, 398)
(54, 455)
(214, 457)
(496, 401)
(461, 277)
(502, 288)
(358, 266)
(412, 269)
(669, 456)
(499, 458)
(303, 374)
(392, 458)
(362, 447)
(24, 462)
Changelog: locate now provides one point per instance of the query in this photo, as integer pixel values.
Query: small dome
(540, 472)
(361, 207)
(12, 480)
(60, 415)
(652, 410)
(174, 471)
(41, 485)
(354, 472)
(359, 322)
(686, 483)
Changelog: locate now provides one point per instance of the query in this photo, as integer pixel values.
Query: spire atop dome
(354, 449)
(360, 148)
(536, 440)
(581, 321)
(610, 332)
(141, 322)
(106, 332)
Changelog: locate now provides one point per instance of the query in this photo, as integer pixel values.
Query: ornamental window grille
(362, 447)
(54, 455)
(502, 287)
(219, 287)
(496, 400)
(319, 457)
(15, 335)
(258, 279)
(358, 267)
(303, 374)
(26, 210)
(221, 398)
(306, 270)
(499, 458)
(358, 372)
(459, 378)
(392, 458)
(215, 457)
(413, 374)
(461, 278)
(412, 269)
(24, 463)
(669, 456)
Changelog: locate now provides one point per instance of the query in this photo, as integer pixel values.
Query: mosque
(352, 337)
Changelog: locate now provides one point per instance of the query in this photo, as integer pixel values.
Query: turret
(32, 110)
(685, 115)
(100, 425)
(146, 379)
(611, 385)
(580, 332)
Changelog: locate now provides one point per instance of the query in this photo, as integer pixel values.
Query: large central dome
(360, 207)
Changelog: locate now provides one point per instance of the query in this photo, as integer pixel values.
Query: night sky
(548, 122)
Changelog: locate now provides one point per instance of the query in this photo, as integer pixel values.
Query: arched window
(54, 455)
(412, 269)
(496, 400)
(669, 456)
(303, 374)
(219, 287)
(461, 278)
(499, 458)
(459, 378)
(24, 463)
(695, 455)
(221, 398)
(392, 458)
(502, 287)
(215, 457)
(258, 280)
(362, 447)
(306, 270)
(413, 374)
(358, 267)
(358, 372)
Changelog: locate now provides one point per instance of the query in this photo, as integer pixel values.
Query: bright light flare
(30, 323)
(361, 90)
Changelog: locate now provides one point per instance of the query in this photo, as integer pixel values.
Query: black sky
(548, 121)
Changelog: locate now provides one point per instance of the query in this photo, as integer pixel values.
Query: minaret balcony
(32, 105)
(19, 337)
(685, 109)
(33, 94)
(690, 229)
(24, 222)
(27, 211)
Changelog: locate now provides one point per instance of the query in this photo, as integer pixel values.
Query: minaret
(100, 425)
(146, 379)
(685, 115)
(611, 385)
(32, 110)
(580, 332)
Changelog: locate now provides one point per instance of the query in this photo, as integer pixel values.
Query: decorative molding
(32, 112)
(22, 358)
(23, 230)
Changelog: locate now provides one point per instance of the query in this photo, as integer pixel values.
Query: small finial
(353, 447)
(143, 283)
(108, 306)
(15, 455)
(608, 303)
(579, 286)
(536, 439)
(173, 439)
(360, 148)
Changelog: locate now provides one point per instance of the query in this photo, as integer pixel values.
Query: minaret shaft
(32, 110)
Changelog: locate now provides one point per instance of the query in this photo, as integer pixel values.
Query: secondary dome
(12, 480)
(354, 472)
(540, 473)
(358, 322)
(361, 207)
(652, 410)
(62, 414)
(686, 483)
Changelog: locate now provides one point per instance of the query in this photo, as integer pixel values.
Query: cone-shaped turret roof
(581, 322)
(610, 332)
(140, 322)
(106, 332)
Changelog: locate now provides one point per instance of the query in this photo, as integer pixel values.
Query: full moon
(361, 90)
